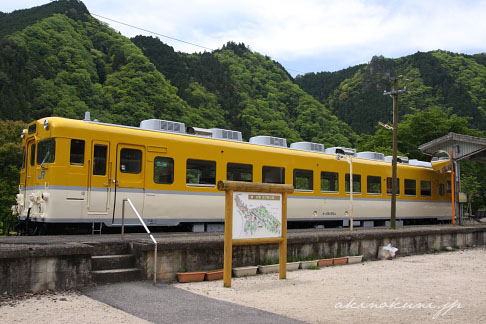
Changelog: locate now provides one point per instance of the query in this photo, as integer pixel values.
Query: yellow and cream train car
(77, 172)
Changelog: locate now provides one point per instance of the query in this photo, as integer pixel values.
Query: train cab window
(273, 175)
(163, 170)
(329, 182)
(46, 151)
(32, 154)
(389, 186)
(239, 172)
(77, 152)
(356, 183)
(24, 156)
(449, 187)
(373, 184)
(130, 160)
(442, 189)
(99, 159)
(201, 172)
(425, 188)
(303, 179)
(410, 187)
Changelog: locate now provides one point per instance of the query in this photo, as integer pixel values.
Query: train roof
(230, 138)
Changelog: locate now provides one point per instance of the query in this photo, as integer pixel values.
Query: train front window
(239, 172)
(374, 185)
(273, 175)
(77, 152)
(46, 151)
(32, 154)
(130, 161)
(356, 183)
(163, 170)
(425, 188)
(389, 186)
(303, 179)
(329, 181)
(99, 159)
(201, 172)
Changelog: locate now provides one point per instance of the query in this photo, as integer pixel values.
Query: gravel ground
(448, 287)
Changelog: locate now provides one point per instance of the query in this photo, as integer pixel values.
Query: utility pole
(394, 94)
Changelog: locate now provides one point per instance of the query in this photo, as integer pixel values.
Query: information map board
(257, 215)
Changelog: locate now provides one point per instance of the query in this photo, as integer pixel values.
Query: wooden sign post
(257, 225)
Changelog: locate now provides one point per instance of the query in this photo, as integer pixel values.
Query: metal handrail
(146, 229)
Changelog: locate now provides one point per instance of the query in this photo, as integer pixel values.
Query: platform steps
(112, 263)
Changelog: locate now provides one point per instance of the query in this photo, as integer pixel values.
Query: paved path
(167, 304)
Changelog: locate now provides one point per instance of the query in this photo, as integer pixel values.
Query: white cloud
(342, 32)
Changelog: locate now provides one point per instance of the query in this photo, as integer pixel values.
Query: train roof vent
(163, 126)
(340, 150)
(424, 164)
(269, 140)
(371, 156)
(400, 159)
(308, 146)
(226, 134)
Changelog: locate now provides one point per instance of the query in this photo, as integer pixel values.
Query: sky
(303, 35)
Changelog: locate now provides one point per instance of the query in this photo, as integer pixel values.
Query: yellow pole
(228, 238)
(283, 245)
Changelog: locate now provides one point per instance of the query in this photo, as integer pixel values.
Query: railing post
(123, 220)
(155, 264)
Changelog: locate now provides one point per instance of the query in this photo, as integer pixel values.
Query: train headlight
(46, 124)
(45, 196)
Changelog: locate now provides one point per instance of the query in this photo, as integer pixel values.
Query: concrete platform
(65, 262)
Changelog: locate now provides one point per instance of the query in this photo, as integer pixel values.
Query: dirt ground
(448, 287)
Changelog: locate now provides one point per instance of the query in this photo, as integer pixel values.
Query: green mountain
(437, 78)
(250, 91)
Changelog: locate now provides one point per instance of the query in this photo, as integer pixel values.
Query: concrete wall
(36, 268)
(209, 256)
(33, 267)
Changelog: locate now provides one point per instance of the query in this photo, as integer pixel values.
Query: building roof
(464, 146)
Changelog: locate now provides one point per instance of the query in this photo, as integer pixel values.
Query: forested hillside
(253, 93)
(441, 79)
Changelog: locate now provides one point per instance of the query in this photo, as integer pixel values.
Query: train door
(130, 182)
(99, 178)
(29, 163)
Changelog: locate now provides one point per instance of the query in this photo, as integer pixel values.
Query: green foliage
(10, 162)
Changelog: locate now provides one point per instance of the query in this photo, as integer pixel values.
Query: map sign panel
(257, 215)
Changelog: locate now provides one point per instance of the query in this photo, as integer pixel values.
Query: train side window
(273, 175)
(130, 160)
(425, 188)
(201, 172)
(356, 183)
(163, 170)
(449, 187)
(24, 156)
(303, 179)
(373, 184)
(410, 187)
(389, 186)
(32, 154)
(239, 172)
(77, 152)
(329, 181)
(46, 151)
(441, 189)
(99, 159)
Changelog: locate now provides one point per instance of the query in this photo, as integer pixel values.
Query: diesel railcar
(77, 173)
